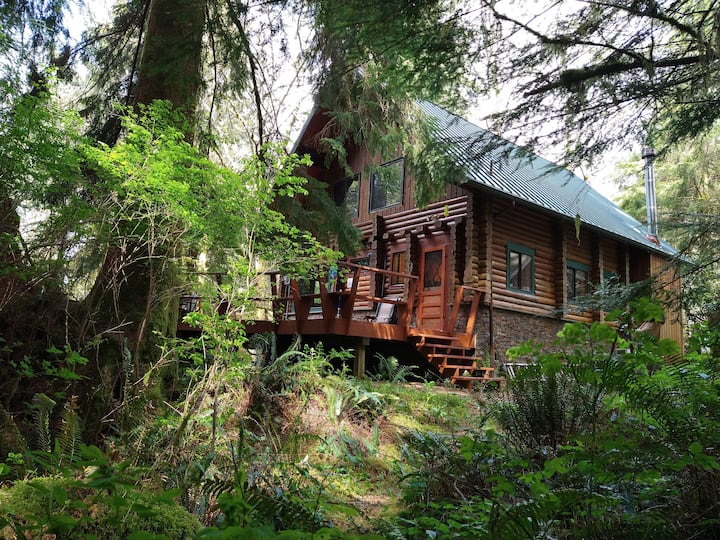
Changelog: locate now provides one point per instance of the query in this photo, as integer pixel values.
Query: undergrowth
(595, 440)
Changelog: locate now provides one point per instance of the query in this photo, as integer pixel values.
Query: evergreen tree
(195, 56)
(589, 75)
(689, 213)
(370, 69)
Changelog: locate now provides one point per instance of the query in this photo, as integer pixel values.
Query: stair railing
(476, 295)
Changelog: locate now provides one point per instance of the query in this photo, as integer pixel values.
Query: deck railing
(335, 295)
(349, 294)
(466, 294)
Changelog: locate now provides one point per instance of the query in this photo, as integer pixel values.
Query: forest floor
(333, 444)
(363, 452)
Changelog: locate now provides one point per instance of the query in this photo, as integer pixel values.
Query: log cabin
(495, 261)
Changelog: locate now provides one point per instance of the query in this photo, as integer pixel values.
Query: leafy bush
(560, 394)
(438, 466)
(349, 397)
(624, 438)
(463, 520)
(81, 509)
(599, 439)
(543, 412)
(389, 369)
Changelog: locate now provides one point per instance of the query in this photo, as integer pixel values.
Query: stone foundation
(512, 328)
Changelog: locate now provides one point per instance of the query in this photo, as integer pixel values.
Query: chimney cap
(648, 152)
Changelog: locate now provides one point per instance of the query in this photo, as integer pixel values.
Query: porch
(369, 306)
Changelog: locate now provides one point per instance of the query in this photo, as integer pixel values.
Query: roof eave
(664, 249)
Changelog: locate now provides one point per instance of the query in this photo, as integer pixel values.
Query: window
(397, 264)
(520, 268)
(345, 193)
(386, 185)
(577, 277)
(432, 269)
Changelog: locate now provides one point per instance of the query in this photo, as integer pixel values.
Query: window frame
(400, 162)
(522, 251)
(576, 267)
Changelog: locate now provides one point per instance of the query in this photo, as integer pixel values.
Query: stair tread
(444, 337)
(468, 378)
(467, 367)
(477, 377)
(415, 331)
(448, 348)
(439, 348)
(454, 356)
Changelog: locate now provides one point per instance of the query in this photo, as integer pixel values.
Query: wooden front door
(432, 298)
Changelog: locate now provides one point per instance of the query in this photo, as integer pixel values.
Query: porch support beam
(359, 360)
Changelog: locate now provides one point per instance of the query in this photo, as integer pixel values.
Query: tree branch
(253, 74)
(570, 78)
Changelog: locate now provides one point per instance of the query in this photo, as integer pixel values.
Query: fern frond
(213, 487)
(70, 437)
(10, 438)
(42, 407)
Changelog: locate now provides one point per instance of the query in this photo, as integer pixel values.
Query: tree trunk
(170, 69)
(9, 248)
(135, 297)
(172, 54)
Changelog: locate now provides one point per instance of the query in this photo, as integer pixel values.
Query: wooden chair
(385, 312)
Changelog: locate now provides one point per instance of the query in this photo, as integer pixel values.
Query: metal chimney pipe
(648, 155)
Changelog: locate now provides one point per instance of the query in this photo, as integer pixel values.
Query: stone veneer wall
(512, 328)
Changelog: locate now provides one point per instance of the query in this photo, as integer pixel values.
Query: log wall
(669, 290)
(519, 225)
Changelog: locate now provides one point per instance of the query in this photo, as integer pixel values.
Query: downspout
(648, 155)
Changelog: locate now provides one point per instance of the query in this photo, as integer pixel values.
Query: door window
(432, 270)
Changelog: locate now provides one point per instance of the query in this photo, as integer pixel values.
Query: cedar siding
(668, 284)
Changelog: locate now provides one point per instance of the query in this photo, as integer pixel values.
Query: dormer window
(346, 193)
(386, 185)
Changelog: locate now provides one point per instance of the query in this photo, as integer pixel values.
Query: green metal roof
(500, 166)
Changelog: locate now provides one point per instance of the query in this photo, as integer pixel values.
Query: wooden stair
(454, 359)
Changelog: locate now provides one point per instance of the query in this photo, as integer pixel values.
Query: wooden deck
(338, 307)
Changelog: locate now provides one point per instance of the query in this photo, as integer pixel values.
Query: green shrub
(389, 369)
(76, 509)
(620, 445)
(463, 520)
(543, 412)
(348, 397)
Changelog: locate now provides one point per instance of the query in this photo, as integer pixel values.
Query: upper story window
(520, 268)
(577, 277)
(386, 184)
(346, 193)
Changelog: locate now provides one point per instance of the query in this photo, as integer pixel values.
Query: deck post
(359, 360)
